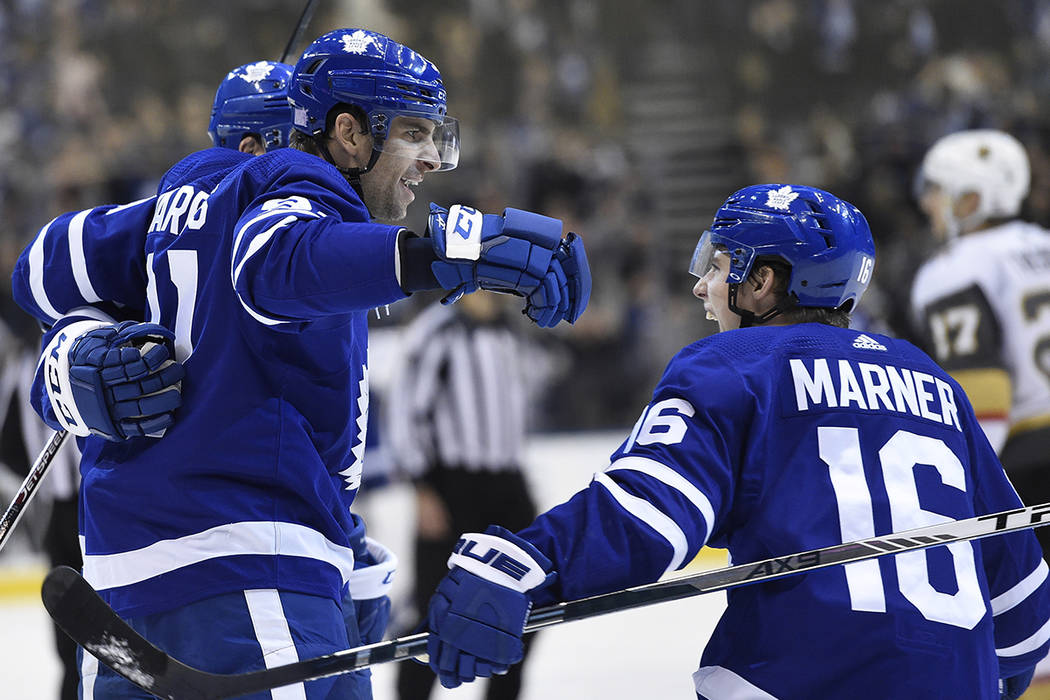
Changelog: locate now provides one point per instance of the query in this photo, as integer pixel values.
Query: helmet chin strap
(352, 175)
(750, 318)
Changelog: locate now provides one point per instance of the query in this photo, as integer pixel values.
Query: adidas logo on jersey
(864, 342)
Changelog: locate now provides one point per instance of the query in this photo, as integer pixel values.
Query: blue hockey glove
(1013, 687)
(115, 381)
(477, 615)
(369, 586)
(566, 287)
(509, 253)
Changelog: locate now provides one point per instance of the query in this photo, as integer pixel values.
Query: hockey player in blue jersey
(250, 105)
(261, 287)
(784, 432)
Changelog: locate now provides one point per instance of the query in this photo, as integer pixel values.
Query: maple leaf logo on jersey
(358, 42)
(255, 72)
(782, 198)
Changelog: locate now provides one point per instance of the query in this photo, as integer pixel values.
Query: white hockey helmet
(990, 163)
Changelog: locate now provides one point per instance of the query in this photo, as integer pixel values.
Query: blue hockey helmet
(384, 78)
(825, 240)
(253, 99)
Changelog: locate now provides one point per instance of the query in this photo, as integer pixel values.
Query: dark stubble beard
(382, 201)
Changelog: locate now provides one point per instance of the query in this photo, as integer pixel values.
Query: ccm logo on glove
(465, 223)
(57, 390)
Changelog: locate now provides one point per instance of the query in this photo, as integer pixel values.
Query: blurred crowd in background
(631, 120)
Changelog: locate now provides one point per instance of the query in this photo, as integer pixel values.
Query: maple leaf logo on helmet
(782, 198)
(254, 72)
(358, 42)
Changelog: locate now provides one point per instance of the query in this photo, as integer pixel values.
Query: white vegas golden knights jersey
(984, 304)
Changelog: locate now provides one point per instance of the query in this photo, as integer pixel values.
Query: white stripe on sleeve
(1032, 643)
(257, 219)
(257, 242)
(668, 476)
(77, 259)
(36, 273)
(651, 516)
(1016, 595)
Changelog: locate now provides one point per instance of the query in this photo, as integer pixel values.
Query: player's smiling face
(713, 289)
(407, 154)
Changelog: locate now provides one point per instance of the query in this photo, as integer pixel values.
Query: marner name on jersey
(828, 383)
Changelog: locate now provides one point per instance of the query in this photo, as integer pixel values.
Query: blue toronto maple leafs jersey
(58, 274)
(56, 278)
(265, 278)
(774, 440)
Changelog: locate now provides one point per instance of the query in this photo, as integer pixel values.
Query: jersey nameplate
(179, 209)
(822, 383)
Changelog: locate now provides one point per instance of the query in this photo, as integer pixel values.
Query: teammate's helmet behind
(825, 240)
(253, 99)
(385, 79)
(991, 163)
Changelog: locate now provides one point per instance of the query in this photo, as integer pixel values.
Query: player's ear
(252, 145)
(763, 281)
(350, 135)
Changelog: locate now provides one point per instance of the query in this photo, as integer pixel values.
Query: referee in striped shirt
(456, 427)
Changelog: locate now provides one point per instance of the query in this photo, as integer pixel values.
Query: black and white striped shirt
(459, 395)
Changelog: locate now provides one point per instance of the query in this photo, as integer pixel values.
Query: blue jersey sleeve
(1016, 572)
(658, 501)
(82, 258)
(306, 248)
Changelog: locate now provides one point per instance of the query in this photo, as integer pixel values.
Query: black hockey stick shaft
(300, 27)
(29, 487)
(92, 624)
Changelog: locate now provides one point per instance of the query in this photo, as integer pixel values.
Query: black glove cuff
(416, 256)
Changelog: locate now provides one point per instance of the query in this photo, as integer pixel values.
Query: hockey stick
(92, 624)
(29, 487)
(300, 27)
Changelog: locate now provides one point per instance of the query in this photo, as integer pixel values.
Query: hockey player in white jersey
(784, 432)
(982, 302)
(259, 286)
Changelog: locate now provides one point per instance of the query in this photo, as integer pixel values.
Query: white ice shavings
(352, 474)
(116, 653)
(358, 42)
(782, 198)
(254, 72)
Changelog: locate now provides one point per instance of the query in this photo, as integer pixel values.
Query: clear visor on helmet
(422, 138)
(737, 255)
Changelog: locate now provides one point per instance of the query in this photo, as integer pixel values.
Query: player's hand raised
(566, 287)
(518, 252)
